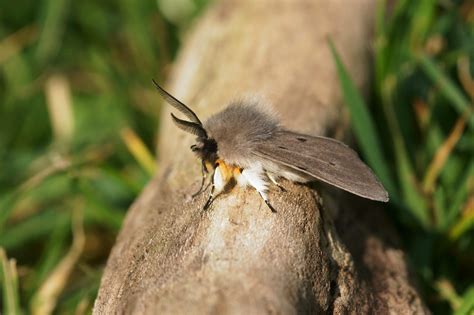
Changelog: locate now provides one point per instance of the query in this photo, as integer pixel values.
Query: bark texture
(324, 251)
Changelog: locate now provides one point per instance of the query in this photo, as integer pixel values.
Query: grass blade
(45, 300)
(447, 88)
(414, 201)
(139, 150)
(364, 127)
(32, 229)
(467, 306)
(9, 281)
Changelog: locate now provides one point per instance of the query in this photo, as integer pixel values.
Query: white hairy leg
(255, 177)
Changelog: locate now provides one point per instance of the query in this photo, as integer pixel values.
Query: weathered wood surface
(331, 254)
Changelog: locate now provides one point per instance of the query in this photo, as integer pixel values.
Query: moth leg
(254, 177)
(210, 199)
(265, 198)
(204, 176)
(272, 178)
(218, 183)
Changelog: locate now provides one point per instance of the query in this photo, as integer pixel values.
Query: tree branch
(335, 253)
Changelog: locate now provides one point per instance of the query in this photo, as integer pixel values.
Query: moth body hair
(241, 180)
(239, 128)
(255, 177)
(219, 181)
(280, 171)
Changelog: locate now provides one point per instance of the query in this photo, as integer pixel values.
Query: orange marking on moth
(228, 171)
(236, 171)
(209, 166)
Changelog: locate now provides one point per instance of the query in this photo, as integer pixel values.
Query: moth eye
(301, 139)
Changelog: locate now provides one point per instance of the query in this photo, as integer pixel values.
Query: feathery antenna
(190, 127)
(170, 99)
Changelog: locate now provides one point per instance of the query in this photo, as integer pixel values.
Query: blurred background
(79, 119)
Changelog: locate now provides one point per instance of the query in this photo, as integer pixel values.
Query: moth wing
(325, 159)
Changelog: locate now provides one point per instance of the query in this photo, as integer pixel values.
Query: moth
(246, 143)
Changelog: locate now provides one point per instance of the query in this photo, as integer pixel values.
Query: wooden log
(324, 251)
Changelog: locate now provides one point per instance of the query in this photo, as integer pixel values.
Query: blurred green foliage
(419, 138)
(78, 119)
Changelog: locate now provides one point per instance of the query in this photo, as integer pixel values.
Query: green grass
(419, 138)
(78, 121)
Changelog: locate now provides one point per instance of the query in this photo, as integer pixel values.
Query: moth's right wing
(324, 159)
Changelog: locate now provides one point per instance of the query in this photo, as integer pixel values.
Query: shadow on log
(331, 254)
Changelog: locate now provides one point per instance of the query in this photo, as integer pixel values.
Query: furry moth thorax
(232, 136)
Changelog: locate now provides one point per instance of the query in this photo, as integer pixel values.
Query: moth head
(205, 147)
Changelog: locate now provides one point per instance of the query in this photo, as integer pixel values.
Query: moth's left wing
(324, 159)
